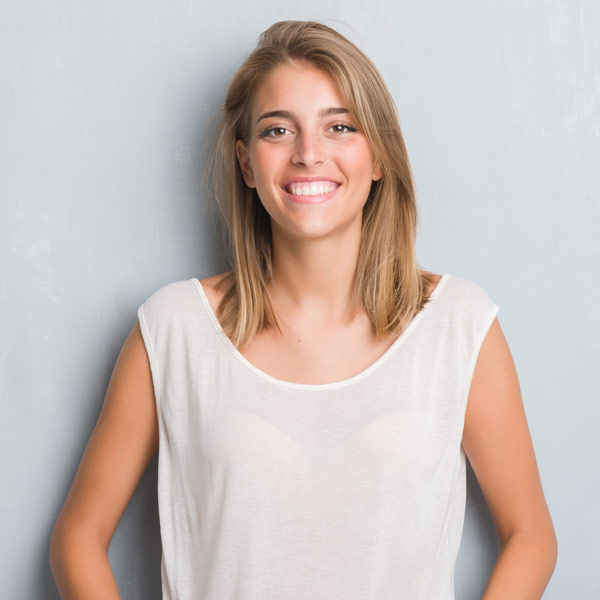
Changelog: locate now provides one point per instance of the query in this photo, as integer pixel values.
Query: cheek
(264, 161)
(264, 166)
(358, 159)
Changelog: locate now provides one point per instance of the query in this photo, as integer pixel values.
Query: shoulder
(468, 296)
(431, 281)
(466, 310)
(169, 300)
(168, 293)
(212, 290)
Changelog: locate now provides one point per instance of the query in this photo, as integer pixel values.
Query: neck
(312, 277)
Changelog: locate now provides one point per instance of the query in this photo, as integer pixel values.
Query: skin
(315, 250)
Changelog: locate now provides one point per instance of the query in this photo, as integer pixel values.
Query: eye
(338, 127)
(273, 132)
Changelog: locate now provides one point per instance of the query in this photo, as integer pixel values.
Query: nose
(309, 149)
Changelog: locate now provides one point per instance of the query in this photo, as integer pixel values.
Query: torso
(313, 355)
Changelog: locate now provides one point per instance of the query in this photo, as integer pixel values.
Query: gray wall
(105, 106)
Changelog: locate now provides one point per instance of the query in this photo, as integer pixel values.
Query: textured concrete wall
(105, 107)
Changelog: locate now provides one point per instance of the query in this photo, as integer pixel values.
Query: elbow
(544, 544)
(539, 543)
(58, 548)
(548, 543)
(54, 549)
(549, 555)
(552, 550)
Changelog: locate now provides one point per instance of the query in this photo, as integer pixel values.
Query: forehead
(296, 87)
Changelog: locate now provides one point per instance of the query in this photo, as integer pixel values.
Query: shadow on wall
(479, 547)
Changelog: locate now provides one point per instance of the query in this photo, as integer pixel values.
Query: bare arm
(122, 444)
(497, 441)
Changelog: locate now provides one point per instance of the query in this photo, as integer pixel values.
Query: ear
(377, 173)
(244, 160)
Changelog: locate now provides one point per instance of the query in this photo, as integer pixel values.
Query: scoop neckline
(319, 386)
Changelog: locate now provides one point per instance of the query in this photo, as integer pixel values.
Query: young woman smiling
(314, 406)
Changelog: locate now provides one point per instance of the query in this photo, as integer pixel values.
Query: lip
(310, 199)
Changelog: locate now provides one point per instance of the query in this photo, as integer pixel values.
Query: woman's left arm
(498, 444)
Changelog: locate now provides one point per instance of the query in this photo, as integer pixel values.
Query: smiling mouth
(313, 188)
(313, 193)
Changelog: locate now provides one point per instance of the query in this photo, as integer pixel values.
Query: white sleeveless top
(273, 490)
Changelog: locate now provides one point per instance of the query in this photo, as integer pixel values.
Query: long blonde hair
(387, 283)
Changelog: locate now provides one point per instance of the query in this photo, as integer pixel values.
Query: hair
(387, 283)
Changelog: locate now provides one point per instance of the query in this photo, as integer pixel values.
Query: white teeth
(315, 188)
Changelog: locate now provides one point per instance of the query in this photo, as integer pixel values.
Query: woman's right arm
(122, 444)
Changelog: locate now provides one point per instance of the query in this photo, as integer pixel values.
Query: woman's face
(311, 166)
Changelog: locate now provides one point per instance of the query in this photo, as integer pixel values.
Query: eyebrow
(324, 112)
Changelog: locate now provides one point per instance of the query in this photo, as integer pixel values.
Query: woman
(314, 406)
